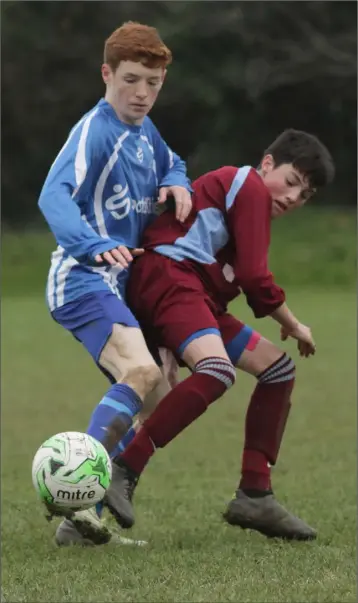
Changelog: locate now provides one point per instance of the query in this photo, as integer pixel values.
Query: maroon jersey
(226, 238)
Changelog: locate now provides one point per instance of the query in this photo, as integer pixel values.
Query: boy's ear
(106, 72)
(267, 164)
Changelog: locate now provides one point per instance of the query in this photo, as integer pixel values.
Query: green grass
(49, 384)
(314, 247)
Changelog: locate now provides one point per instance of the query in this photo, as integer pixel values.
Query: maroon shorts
(173, 307)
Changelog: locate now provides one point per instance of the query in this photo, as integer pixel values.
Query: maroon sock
(256, 472)
(185, 403)
(265, 423)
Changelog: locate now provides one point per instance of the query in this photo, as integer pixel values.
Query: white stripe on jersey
(103, 272)
(98, 193)
(61, 276)
(145, 138)
(80, 174)
(70, 136)
(236, 185)
(60, 270)
(80, 160)
(171, 158)
(55, 261)
(109, 274)
(113, 274)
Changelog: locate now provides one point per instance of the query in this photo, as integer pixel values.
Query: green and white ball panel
(71, 470)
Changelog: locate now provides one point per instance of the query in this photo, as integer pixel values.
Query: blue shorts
(90, 319)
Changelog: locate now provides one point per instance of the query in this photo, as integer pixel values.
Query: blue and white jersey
(101, 192)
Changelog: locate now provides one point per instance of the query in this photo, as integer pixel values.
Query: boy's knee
(152, 400)
(142, 378)
(221, 369)
(283, 369)
(256, 361)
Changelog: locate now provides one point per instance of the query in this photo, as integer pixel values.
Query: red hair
(136, 42)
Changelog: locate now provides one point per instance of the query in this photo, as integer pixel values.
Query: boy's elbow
(248, 282)
(181, 165)
(43, 202)
(178, 167)
(253, 276)
(48, 210)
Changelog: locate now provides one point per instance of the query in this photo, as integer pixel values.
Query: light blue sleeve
(171, 169)
(70, 182)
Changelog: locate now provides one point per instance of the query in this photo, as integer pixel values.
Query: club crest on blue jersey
(140, 154)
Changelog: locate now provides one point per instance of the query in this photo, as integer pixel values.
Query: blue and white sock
(122, 445)
(120, 402)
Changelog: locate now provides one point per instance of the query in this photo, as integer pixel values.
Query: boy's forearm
(284, 317)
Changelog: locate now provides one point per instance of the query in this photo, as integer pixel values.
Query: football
(71, 471)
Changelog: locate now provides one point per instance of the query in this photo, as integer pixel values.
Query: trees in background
(242, 72)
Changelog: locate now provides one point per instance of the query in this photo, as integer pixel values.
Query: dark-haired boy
(179, 290)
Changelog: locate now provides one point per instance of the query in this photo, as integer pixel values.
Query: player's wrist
(285, 318)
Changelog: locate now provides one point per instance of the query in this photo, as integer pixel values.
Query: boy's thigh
(174, 309)
(182, 321)
(246, 348)
(106, 327)
(125, 354)
(188, 327)
(169, 300)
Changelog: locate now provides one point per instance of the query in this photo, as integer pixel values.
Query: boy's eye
(289, 182)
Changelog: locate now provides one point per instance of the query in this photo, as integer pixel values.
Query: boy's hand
(119, 256)
(182, 198)
(306, 345)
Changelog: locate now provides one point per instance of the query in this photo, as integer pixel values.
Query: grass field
(49, 385)
(314, 247)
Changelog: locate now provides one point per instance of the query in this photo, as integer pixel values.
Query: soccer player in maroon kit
(179, 290)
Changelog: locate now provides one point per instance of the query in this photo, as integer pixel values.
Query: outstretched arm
(249, 212)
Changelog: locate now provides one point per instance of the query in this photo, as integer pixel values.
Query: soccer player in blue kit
(100, 194)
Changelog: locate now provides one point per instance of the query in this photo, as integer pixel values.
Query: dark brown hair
(307, 154)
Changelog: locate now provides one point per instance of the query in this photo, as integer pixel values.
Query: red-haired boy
(99, 196)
